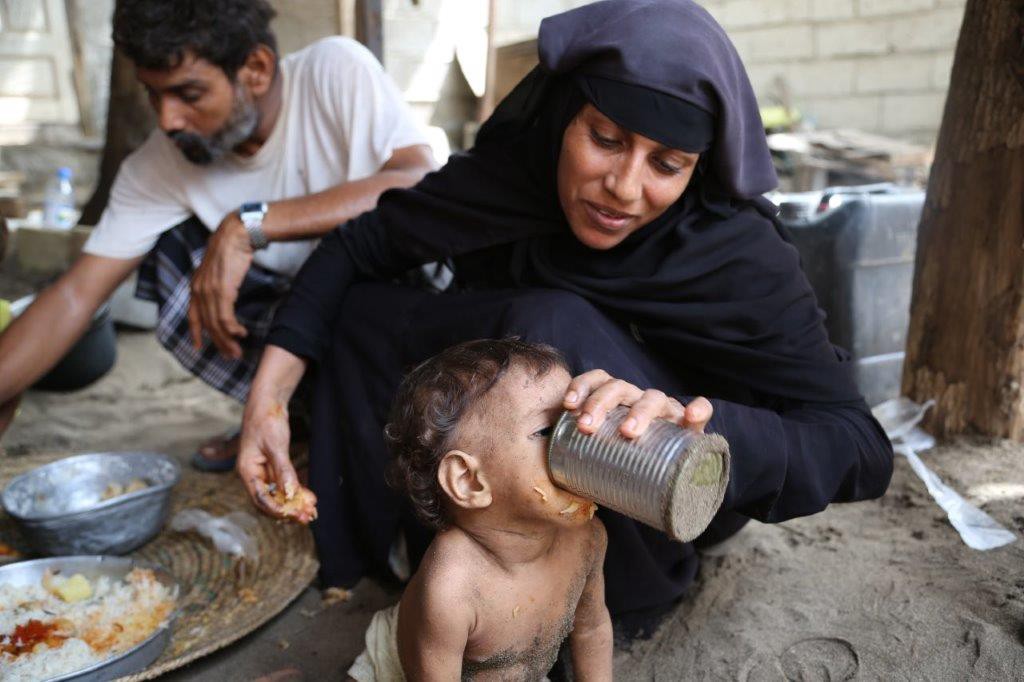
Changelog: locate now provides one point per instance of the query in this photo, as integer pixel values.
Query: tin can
(670, 478)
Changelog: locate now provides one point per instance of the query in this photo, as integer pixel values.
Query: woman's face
(612, 181)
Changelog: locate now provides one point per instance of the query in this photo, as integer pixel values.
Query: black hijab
(710, 285)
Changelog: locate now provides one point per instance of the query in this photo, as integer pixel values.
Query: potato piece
(73, 589)
(134, 485)
(113, 489)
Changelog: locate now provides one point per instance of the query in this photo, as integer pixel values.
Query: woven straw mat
(222, 599)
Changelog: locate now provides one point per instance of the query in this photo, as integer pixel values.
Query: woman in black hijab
(612, 208)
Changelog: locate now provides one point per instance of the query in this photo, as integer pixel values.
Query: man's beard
(239, 127)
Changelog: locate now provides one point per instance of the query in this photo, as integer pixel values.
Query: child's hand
(596, 392)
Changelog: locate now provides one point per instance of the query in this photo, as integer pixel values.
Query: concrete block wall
(879, 65)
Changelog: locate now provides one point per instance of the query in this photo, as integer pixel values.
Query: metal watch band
(252, 215)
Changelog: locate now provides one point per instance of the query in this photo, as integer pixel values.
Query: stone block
(831, 10)
(41, 251)
(897, 73)
(856, 111)
(934, 30)
(760, 13)
(942, 69)
(874, 8)
(770, 44)
(902, 113)
(832, 77)
(851, 38)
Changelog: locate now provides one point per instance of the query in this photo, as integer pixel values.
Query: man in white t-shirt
(254, 159)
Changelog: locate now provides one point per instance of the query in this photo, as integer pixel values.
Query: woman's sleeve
(475, 201)
(356, 250)
(796, 461)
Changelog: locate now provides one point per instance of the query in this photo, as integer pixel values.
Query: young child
(516, 565)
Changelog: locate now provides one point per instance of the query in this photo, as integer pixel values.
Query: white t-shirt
(341, 119)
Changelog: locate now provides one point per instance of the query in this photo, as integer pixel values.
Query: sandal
(219, 444)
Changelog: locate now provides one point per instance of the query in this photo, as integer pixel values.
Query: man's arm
(591, 640)
(228, 255)
(316, 214)
(40, 336)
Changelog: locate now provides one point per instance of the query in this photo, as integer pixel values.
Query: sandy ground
(877, 590)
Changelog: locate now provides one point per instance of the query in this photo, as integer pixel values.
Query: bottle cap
(64, 173)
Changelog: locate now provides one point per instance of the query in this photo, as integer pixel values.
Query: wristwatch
(252, 214)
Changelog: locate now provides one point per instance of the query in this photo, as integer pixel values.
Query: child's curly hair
(433, 398)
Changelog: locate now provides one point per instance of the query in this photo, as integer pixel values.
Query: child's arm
(591, 640)
(433, 628)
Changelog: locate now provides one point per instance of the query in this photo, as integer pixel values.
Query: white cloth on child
(379, 660)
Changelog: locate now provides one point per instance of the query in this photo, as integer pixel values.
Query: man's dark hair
(156, 34)
(434, 397)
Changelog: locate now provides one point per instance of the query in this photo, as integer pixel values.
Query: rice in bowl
(67, 624)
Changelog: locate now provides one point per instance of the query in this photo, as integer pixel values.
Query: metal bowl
(60, 510)
(92, 567)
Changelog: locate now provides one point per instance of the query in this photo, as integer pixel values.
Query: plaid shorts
(165, 276)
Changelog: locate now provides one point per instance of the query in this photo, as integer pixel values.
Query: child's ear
(463, 481)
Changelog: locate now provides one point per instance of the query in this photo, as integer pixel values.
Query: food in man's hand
(301, 506)
(115, 489)
(67, 624)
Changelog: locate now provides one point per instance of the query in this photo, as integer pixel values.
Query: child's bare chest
(522, 621)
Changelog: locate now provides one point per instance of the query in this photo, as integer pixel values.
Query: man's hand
(596, 392)
(215, 287)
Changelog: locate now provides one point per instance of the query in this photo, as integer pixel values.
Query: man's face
(509, 431)
(204, 112)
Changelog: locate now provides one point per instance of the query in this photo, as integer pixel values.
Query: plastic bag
(899, 418)
(231, 533)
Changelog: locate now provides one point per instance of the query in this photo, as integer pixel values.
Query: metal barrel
(670, 478)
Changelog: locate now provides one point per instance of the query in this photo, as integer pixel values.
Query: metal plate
(25, 573)
(60, 510)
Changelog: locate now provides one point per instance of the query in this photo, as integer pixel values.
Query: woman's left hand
(594, 393)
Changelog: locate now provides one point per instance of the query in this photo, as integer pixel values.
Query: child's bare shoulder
(445, 577)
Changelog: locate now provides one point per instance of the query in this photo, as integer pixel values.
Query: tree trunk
(129, 120)
(965, 346)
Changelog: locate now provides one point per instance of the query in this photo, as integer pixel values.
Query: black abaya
(706, 299)
(790, 460)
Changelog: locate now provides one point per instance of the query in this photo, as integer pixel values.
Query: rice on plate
(66, 624)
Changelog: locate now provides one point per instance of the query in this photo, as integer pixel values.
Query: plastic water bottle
(59, 201)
